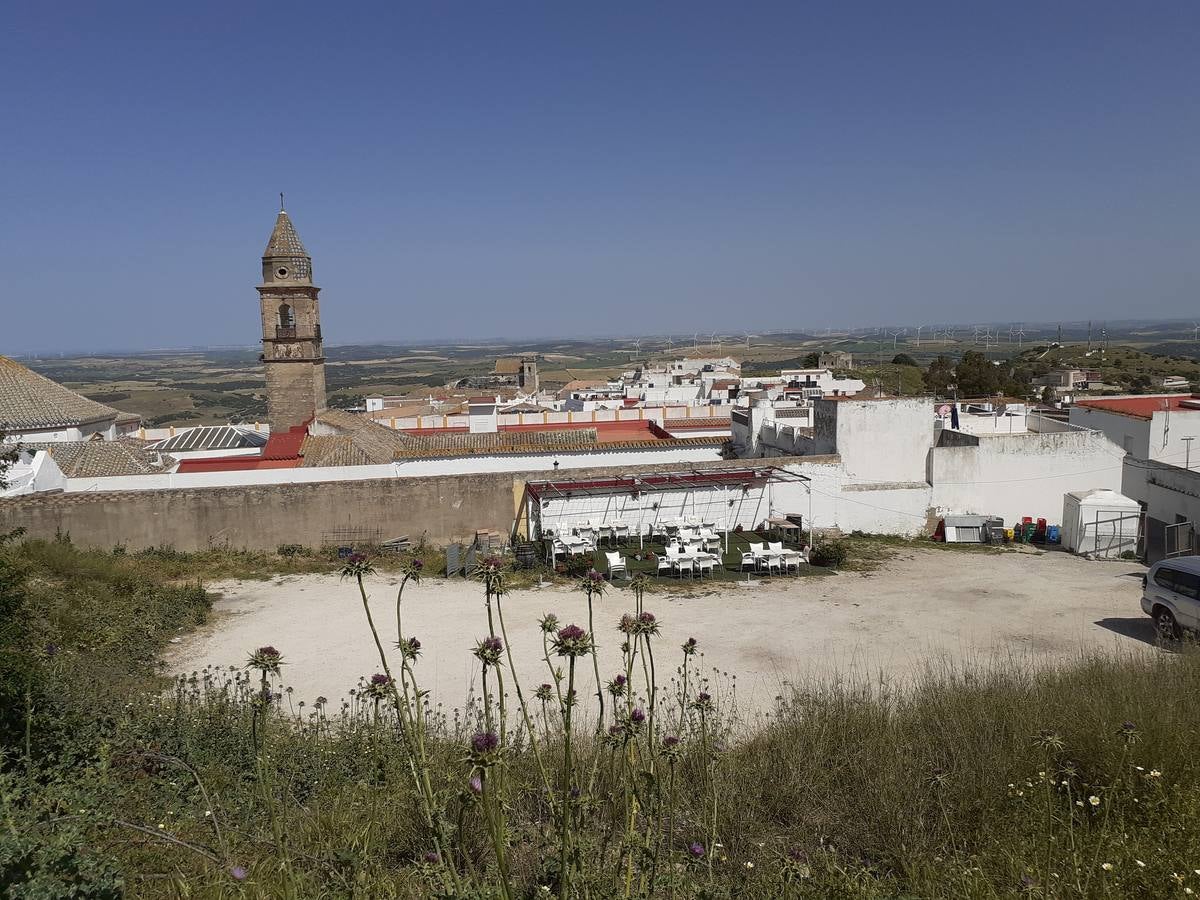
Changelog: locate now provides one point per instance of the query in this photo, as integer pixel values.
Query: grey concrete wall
(262, 517)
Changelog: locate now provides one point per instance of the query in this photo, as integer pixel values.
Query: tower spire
(281, 209)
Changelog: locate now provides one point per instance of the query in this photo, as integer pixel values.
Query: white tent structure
(1100, 523)
(644, 504)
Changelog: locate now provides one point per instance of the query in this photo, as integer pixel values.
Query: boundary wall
(441, 508)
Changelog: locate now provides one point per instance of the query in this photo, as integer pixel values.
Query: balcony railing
(292, 333)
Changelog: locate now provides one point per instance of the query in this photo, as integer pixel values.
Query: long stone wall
(442, 509)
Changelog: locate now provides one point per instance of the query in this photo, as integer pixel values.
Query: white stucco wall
(839, 502)
(457, 466)
(879, 441)
(1130, 434)
(1022, 475)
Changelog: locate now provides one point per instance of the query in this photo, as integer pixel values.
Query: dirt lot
(924, 606)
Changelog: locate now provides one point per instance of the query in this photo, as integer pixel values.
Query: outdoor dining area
(681, 549)
(686, 525)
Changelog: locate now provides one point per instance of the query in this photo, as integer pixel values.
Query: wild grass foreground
(1080, 781)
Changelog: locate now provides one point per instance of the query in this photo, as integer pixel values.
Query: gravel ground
(923, 607)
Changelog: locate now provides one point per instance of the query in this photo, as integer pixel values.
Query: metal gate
(1107, 538)
(1179, 539)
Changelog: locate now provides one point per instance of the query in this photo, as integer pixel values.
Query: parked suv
(1171, 595)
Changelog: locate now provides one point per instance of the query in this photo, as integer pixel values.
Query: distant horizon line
(682, 343)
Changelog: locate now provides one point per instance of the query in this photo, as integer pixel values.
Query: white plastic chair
(705, 563)
(664, 564)
(749, 559)
(615, 564)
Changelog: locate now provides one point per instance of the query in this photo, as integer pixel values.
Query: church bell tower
(291, 329)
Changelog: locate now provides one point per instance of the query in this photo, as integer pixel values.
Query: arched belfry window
(287, 318)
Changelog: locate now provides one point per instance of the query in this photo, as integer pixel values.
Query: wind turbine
(712, 340)
(919, 327)
(896, 336)
(1196, 331)
(1020, 335)
(696, 340)
(746, 335)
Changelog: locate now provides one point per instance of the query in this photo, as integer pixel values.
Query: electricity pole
(1187, 453)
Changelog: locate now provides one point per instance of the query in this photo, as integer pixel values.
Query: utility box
(1100, 523)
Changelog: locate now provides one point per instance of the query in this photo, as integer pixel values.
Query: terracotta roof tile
(100, 459)
(32, 401)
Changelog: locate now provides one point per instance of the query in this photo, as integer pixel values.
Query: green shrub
(831, 554)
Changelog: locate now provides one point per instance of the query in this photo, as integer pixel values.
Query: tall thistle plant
(569, 643)
(593, 585)
(358, 567)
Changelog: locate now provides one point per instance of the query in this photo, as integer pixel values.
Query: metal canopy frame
(650, 482)
(660, 481)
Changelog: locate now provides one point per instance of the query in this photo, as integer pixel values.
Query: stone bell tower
(291, 329)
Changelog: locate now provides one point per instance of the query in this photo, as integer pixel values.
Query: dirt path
(923, 606)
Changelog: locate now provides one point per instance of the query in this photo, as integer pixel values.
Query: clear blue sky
(498, 169)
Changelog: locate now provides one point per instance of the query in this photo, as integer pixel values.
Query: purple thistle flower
(488, 651)
(615, 730)
(431, 858)
(475, 784)
(628, 624)
(637, 717)
(647, 618)
(544, 692)
(239, 873)
(696, 849)
(571, 633)
(484, 742)
(670, 742)
(619, 680)
(572, 641)
(379, 679)
(689, 646)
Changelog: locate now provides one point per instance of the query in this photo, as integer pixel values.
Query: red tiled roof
(234, 464)
(1143, 407)
(281, 451)
(285, 444)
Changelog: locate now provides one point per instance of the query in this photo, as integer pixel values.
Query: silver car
(1171, 596)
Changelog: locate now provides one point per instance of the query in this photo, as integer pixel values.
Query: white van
(1171, 596)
